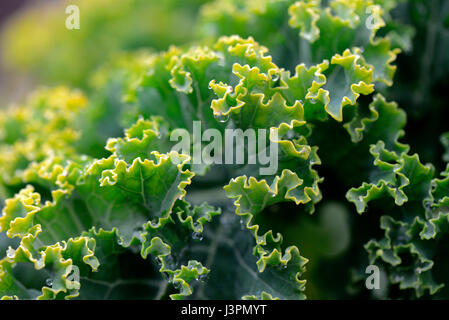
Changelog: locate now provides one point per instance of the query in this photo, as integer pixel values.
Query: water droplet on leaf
(10, 253)
(202, 277)
(49, 282)
(157, 261)
(222, 118)
(170, 261)
(197, 236)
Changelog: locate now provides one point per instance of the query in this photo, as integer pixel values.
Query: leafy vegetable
(94, 186)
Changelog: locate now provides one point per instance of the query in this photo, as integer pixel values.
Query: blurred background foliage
(36, 44)
(422, 79)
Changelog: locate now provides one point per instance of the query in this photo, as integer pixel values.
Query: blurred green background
(37, 48)
(9, 88)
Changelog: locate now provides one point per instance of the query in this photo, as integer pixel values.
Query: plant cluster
(90, 181)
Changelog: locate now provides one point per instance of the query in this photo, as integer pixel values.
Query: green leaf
(402, 177)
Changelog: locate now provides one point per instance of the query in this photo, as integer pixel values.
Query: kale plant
(101, 200)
